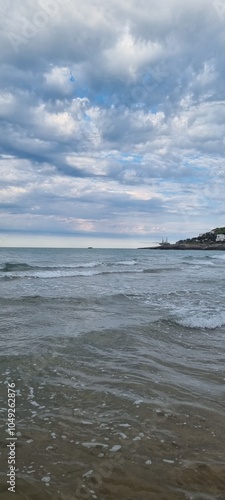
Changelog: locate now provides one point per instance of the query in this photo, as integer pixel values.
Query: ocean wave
(49, 274)
(9, 278)
(193, 257)
(204, 263)
(160, 270)
(199, 262)
(153, 271)
(122, 263)
(71, 300)
(70, 272)
(126, 263)
(10, 267)
(212, 322)
(219, 257)
(134, 271)
(203, 260)
(59, 274)
(19, 266)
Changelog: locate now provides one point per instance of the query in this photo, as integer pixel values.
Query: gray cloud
(112, 116)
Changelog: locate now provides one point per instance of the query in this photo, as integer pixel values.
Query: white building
(220, 237)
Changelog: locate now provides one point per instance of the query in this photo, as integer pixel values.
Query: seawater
(118, 360)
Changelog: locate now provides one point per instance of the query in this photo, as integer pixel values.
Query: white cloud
(111, 123)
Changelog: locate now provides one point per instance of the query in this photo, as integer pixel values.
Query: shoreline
(175, 246)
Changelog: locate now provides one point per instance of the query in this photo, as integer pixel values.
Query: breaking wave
(212, 322)
(10, 267)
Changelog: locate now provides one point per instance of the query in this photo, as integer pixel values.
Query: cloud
(112, 117)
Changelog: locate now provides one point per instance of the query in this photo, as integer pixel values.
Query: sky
(112, 121)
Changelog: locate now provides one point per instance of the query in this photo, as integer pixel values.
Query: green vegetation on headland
(213, 240)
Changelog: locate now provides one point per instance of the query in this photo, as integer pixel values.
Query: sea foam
(211, 322)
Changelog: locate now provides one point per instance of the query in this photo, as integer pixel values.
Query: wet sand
(80, 444)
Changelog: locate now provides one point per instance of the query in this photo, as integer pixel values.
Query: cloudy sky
(112, 117)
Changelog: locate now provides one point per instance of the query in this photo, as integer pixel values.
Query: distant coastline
(175, 246)
(213, 240)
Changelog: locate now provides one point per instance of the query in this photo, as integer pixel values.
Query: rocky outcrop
(205, 241)
(190, 246)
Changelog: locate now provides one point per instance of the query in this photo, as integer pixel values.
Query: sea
(112, 374)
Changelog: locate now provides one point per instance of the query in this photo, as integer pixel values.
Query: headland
(213, 240)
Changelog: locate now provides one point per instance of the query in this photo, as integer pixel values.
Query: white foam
(65, 274)
(56, 274)
(93, 445)
(220, 257)
(126, 263)
(88, 264)
(122, 435)
(117, 447)
(199, 262)
(46, 479)
(89, 473)
(211, 322)
(31, 395)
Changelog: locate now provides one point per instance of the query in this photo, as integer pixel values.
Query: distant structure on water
(164, 242)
